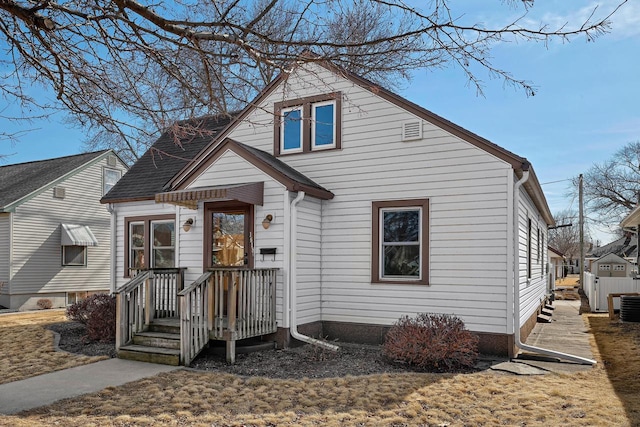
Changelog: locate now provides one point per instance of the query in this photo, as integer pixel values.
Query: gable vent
(59, 192)
(111, 160)
(411, 130)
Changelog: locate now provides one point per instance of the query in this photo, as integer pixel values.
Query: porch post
(149, 300)
(231, 317)
(120, 324)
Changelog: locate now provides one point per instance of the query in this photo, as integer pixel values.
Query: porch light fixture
(187, 225)
(266, 222)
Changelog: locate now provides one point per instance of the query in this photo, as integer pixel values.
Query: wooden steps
(159, 344)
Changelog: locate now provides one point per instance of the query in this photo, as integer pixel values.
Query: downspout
(293, 275)
(516, 283)
(112, 250)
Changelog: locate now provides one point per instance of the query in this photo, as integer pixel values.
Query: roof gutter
(516, 283)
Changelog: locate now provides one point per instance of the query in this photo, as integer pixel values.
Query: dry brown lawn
(607, 395)
(27, 349)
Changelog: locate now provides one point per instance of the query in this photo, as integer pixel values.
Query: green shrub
(98, 313)
(431, 342)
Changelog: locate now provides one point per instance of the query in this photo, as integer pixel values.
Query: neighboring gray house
(55, 240)
(330, 207)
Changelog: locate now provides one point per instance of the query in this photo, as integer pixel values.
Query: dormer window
(308, 124)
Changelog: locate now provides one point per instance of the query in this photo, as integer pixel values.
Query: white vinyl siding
(309, 261)
(5, 251)
(37, 266)
(468, 193)
(233, 169)
(533, 289)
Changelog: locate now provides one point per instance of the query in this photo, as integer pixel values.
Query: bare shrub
(44, 304)
(98, 313)
(431, 342)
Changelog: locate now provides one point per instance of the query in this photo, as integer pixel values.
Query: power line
(560, 180)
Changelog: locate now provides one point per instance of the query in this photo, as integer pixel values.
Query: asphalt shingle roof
(21, 179)
(163, 160)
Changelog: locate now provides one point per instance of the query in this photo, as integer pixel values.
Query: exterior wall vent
(59, 192)
(111, 160)
(411, 130)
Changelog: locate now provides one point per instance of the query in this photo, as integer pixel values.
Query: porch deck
(227, 304)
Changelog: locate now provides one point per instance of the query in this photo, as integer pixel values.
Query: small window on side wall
(400, 236)
(74, 256)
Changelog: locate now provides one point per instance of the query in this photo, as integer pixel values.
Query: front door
(228, 238)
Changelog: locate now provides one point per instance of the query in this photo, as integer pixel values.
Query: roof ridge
(57, 158)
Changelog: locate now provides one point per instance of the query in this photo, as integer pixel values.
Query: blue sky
(586, 106)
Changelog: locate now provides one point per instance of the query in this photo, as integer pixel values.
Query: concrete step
(141, 353)
(549, 307)
(157, 339)
(546, 312)
(544, 319)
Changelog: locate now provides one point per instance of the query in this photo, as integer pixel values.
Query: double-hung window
(400, 236)
(308, 124)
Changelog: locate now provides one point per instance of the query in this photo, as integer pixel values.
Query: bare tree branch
(124, 69)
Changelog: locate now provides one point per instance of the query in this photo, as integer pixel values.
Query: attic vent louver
(411, 130)
(59, 192)
(111, 160)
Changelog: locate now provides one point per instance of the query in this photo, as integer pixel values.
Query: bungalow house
(55, 240)
(328, 207)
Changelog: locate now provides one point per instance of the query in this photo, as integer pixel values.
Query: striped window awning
(251, 193)
(77, 235)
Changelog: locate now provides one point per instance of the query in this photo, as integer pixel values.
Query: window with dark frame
(149, 243)
(308, 124)
(529, 248)
(400, 242)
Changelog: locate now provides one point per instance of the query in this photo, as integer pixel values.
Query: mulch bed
(296, 362)
(304, 361)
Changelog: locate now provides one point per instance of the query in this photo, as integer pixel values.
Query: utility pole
(581, 221)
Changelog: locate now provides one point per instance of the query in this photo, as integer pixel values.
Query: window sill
(400, 282)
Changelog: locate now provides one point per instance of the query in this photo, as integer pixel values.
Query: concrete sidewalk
(567, 333)
(45, 389)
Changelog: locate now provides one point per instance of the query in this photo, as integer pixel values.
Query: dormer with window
(308, 124)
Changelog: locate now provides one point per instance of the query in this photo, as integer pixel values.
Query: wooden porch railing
(148, 295)
(244, 304)
(194, 314)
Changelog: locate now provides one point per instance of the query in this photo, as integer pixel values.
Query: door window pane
(228, 239)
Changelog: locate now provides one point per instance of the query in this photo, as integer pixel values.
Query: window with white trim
(323, 129)
(291, 130)
(109, 178)
(400, 241)
(73, 255)
(618, 267)
(604, 267)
